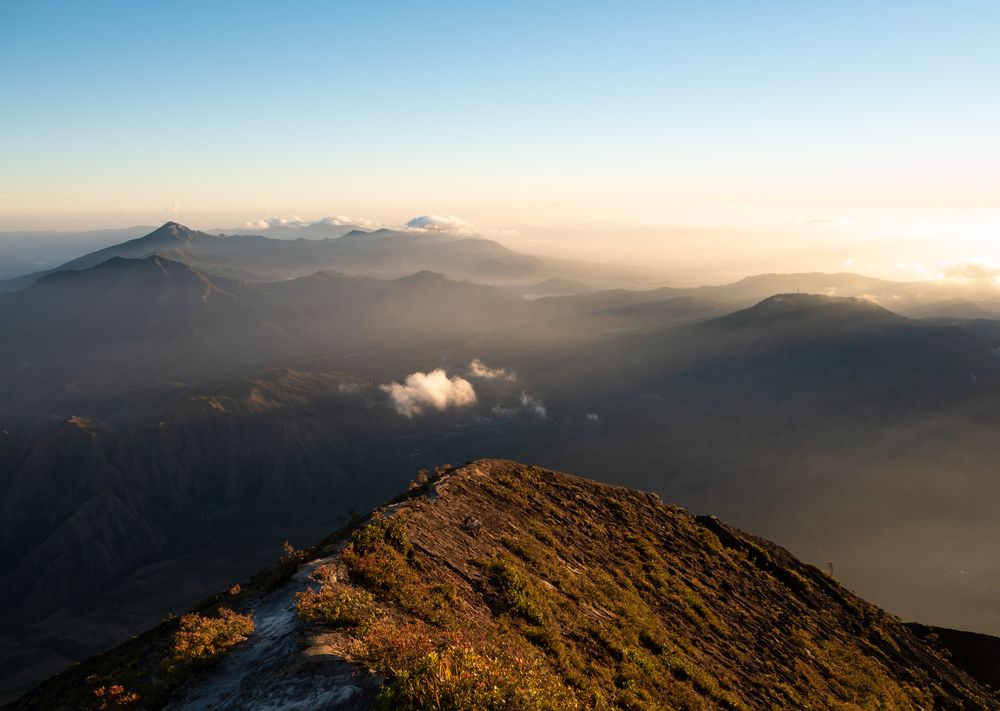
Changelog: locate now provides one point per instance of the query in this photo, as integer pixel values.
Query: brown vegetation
(566, 594)
(200, 640)
(574, 594)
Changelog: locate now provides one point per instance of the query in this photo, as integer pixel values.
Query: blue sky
(506, 113)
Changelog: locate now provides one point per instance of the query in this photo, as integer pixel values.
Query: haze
(711, 140)
(262, 267)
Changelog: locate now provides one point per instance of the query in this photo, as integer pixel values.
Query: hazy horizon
(707, 142)
(735, 259)
(711, 246)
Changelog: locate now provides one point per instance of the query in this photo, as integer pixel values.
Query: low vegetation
(340, 606)
(569, 595)
(114, 696)
(511, 591)
(566, 594)
(435, 669)
(200, 640)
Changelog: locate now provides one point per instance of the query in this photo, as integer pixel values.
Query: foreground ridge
(500, 585)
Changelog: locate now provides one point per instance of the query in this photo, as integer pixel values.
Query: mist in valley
(175, 407)
(266, 268)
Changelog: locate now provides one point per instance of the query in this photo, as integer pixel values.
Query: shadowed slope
(499, 585)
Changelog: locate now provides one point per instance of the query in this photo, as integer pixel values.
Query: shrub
(390, 531)
(512, 591)
(382, 569)
(432, 669)
(379, 557)
(201, 640)
(421, 481)
(339, 606)
(114, 696)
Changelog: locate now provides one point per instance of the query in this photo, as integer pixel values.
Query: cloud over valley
(421, 392)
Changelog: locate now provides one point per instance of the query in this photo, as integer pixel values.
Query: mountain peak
(860, 306)
(173, 231)
(815, 309)
(516, 585)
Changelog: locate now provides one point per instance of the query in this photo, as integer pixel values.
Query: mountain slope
(26, 252)
(914, 299)
(382, 253)
(499, 585)
(137, 322)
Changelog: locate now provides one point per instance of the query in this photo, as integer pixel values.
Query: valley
(174, 426)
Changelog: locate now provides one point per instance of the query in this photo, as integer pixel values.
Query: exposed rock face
(604, 596)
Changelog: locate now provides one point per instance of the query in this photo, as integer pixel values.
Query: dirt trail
(269, 672)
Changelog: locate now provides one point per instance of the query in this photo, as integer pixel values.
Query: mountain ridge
(383, 252)
(551, 592)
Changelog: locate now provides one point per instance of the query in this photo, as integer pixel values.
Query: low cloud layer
(444, 224)
(526, 404)
(421, 392)
(296, 221)
(533, 405)
(972, 273)
(479, 369)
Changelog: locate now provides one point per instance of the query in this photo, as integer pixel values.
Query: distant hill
(499, 585)
(170, 236)
(33, 251)
(555, 287)
(130, 321)
(916, 299)
(381, 253)
(805, 316)
(183, 424)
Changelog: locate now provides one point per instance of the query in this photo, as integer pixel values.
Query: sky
(797, 134)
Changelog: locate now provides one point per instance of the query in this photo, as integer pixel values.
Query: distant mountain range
(128, 322)
(387, 253)
(28, 252)
(164, 426)
(381, 253)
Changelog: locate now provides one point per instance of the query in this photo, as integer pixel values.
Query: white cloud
(425, 391)
(296, 221)
(479, 369)
(445, 224)
(593, 417)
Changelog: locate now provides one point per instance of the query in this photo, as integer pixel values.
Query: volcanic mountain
(382, 253)
(499, 585)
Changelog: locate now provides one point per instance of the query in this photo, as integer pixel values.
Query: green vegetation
(605, 598)
(429, 664)
(339, 606)
(571, 595)
(429, 668)
(511, 589)
(382, 532)
(379, 558)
